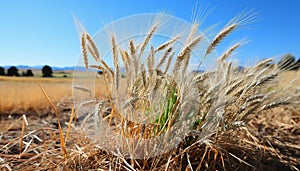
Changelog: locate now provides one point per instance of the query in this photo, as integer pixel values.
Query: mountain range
(54, 68)
(78, 68)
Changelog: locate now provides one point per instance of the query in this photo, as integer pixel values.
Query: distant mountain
(54, 68)
(77, 68)
(198, 71)
(241, 68)
(20, 67)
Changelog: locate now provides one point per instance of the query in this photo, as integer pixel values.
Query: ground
(30, 135)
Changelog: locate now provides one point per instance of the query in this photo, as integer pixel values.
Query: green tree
(2, 71)
(287, 62)
(13, 71)
(29, 73)
(297, 65)
(47, 71)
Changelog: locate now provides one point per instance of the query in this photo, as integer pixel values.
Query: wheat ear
(150, 59)
(228, 52)
(192, 33)
(164, 57)
(192, 45)
(125, 59)
(106, 67)
(116, 63)
(185, 54)
(147, 39)
(133, 55)
(84, 50)
(93, 48)
(262, 63)
(169, 62)
(216, 41)
(220, 36)
(166, 44)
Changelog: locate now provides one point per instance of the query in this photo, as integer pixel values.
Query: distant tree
(29, 73)
(13, 71)
(287, 62)
(297, 65)
(2, 71)
(100, 72)
(47, 71)
(23, 74)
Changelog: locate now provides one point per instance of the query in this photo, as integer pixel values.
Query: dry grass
(289, 78)
(247, 120)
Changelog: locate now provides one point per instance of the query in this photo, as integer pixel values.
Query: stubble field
(30, 137)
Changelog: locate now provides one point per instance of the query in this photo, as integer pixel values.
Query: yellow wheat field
(23, 94)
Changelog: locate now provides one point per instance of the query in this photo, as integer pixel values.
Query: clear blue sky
(38, 32)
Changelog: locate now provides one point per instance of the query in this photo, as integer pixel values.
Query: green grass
(163, 120)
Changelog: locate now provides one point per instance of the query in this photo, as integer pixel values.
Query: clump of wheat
(227, 98)
(245, 120)
(155, 99)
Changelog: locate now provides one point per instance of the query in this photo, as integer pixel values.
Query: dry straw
(237, 108)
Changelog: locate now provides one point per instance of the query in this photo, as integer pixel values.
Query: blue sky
(36, 32)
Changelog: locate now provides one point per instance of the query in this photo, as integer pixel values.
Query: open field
(288, 77)
(21, 95)
(38, 72)
(160, 116)
(41, 148)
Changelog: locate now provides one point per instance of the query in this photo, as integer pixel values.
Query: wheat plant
(227, 99)
(156, 113)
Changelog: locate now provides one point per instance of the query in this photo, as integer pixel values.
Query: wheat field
(244, 120)
(22, 95)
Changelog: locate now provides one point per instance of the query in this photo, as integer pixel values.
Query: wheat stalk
(166, 44)
(169, 62)
(84, 89)
(89, 48)
(106, 67)
(143, 71)
(233, 86)
(191, 46)
(242, 19)
(192, 33)
(147, 39)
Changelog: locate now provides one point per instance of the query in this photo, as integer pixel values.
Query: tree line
(14, 71)
(289, 62)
